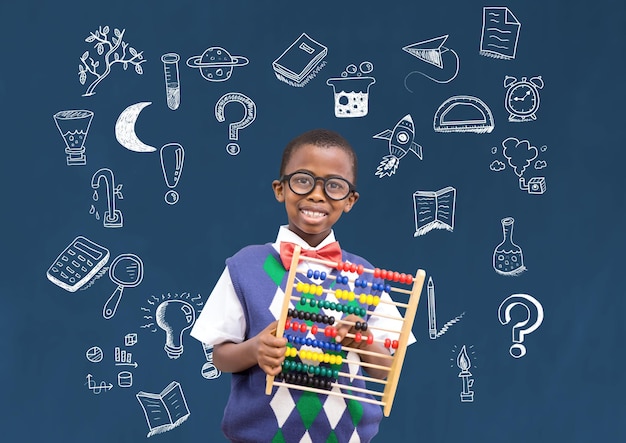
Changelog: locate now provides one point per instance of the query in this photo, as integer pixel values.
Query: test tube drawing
(172, 79)
(172, 159)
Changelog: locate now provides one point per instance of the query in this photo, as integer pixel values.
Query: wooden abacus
(323, 385)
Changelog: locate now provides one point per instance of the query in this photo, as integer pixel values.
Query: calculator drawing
(77, 264)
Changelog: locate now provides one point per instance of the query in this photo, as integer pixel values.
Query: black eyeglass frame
(287, 178)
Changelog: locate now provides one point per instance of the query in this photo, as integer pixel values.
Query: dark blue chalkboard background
(570, 386)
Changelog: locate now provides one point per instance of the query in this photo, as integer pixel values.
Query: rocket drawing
(401, 140)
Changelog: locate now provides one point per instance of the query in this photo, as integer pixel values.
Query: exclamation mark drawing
(172, 159)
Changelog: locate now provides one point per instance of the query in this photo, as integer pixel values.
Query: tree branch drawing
(113, 51)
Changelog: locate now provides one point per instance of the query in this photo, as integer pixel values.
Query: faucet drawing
(112, 217)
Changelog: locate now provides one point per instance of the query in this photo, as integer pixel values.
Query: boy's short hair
(324, 138)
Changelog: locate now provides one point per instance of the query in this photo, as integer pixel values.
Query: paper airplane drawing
(401, 140)
(431, 51)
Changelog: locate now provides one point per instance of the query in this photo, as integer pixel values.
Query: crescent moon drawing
(125, 129)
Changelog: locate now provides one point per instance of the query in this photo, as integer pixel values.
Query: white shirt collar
(285, 234)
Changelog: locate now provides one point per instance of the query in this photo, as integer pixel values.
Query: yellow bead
(326, 358)
(320, 290)
(294, 352)
(312, 289)
(339, 294)
(351, 296)
(306, 288)
(370, 299)
(376, 300)
(299, 286)
(362, 298)
(287, 351)
(339, 359)
(333, 359)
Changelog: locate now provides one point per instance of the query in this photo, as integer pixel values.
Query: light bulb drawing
(172, 160)
(175, 317)
(174, 314)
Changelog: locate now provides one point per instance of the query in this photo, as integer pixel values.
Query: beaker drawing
(74, 125)
(508, 258)
(351, 95)
(172, 79)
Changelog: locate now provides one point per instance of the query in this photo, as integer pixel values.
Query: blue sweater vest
(250, 415)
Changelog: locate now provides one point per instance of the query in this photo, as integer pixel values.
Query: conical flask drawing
(74, 125)
(508, 258)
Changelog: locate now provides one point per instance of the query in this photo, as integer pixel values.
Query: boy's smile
(313, 215)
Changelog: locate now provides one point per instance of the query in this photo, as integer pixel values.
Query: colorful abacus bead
(370, 339)
(387, 343)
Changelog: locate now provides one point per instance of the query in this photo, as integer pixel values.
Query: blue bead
(309, 273)
(316, 274)
(323, 275)
(338, 347)
(388, 288)
(308, 342)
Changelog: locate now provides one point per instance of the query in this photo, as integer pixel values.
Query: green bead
(363, 312)
(323, 372)
(317, 370)
(305, 368)
(350, 309)
(303, 301)
(312, 302)
(336, 373)
(299, 367)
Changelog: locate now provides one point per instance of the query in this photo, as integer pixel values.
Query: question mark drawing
(522, 328)
(234, 128)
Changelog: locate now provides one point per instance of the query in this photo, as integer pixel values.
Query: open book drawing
(166, 410)
(301, 61)
(434, 210)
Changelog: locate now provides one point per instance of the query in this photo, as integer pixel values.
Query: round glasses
(302, 183)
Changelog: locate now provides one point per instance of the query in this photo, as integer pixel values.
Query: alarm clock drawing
(522, 98)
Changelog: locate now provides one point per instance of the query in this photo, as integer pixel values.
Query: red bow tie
(330, 252)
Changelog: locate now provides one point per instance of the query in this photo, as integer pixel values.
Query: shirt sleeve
(222, 319)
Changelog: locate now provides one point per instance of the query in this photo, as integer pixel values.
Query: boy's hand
(343, 329)
(270, 350)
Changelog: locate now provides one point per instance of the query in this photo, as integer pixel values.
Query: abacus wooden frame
(391, 384)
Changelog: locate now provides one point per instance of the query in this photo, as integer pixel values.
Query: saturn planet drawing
(216, 63)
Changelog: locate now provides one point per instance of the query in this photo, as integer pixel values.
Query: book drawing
(434, 210)
(300, 62)
(166, 410)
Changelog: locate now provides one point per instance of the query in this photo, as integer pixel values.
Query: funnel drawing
(74, 125)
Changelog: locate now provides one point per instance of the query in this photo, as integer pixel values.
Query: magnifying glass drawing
(127, 272)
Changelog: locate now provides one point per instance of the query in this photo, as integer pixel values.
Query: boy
(317, 185)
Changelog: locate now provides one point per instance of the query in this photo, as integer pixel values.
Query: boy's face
(313, 215)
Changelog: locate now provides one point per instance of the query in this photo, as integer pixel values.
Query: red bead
(359, 269)
(383, 274)
(333, 332)
(409, 279)
(327, 331)
(295, 326)
(370, 339)
(387, 343)
(314, 329)
(403, 278)
(303, 327)
(339, 265)
(396, 276)
(352, 267)
(287, 324)
(346, 266)
(376, 273)
(358, 337)
(394, 344)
